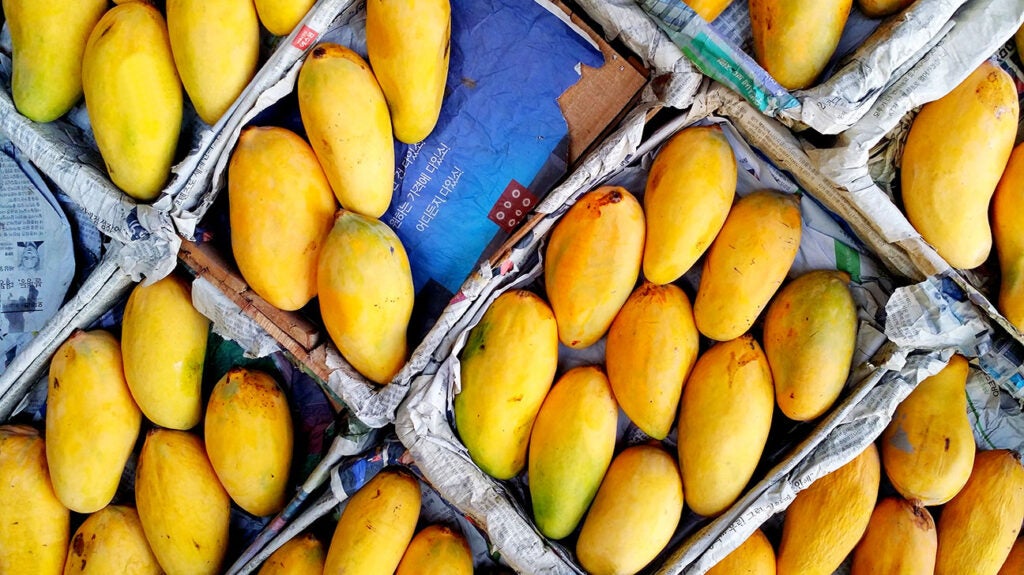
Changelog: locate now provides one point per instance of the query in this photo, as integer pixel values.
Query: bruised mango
(754, 556)
(437, 550)
(881, 8)
(900, 540)
(111, 541)
(794, 39)
(303, 555)
(1007, 214)
(708, 9)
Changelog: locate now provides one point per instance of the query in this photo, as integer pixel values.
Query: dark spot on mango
(947, 444)
(319, 52)
(83, 564)
(78, 544)
(56, 383)
(516, 398)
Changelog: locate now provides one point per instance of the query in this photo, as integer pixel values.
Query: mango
(34, 524)
(376, 526)
(724, 418)
(882, 8)
(571, 447)
(248, 432)
(111, 541)
(592, 263)
(794, 39)
(651, 348)
(280, 17)
(281, 209)
(184, 510)
(347, 122)
(953, 158)
(216, 46)
(900, 540)
(92, 421)
(810, 332)
(634, 515)
(366, 294)
(506, 368)
(708, 9)
(928, 447)
(754, 556)
(825, 521)
(437, 550)
(1014, 564)
(47, 45)
(163, 347)
(407, 44)
(303, 555)
(1007, 213)
(1018, 40)
(978, 527)
(133, 96)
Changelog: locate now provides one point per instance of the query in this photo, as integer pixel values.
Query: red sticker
(305, 38)
(512, 206)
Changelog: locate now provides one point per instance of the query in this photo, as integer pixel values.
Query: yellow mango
(248, 431)
(133, 96)
(690, 189)
(953, 158)
(303, 555)
(900, 540)
(111, 541)
(794, 39)
(928, 447)
(724, 418)
(437, 550)
(1014, 564)
(280, 17)
(571, 446)
(376, 526)
(47, 45)
(810, 332)
(826, 520)
(881, 8)
(184, 510)
(747, 263)
(347, 122)
(592, 263)
(754, 557)
(651, 348)
(1007, 215)
(34, 524)
(708, 9)
(507, 368)
(281, 209)
(634, 515)
(92, 421)
(163, 347)
(366, 294)
(216, 46)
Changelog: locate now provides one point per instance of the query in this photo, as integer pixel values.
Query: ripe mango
(651, 348)
(882, 8)
(708, 9)
(794, 39)
(303, 555)
(92, 421)
(754, 557)
(571, 446)
(634, 515)
(366, 294)
(1014, 564)
(592, 263)
(724, 418)
(248, 431)
(900, 540)
(133, 96)
(507, 367)
(690, 190)
(184, 511)
(953, 158)
(810, 332)
(347, 122)
(34, 524)
(281, 209)
(47, 45)
(437, 550)
(746, 263)
(1007, 215)
(111, 541)
(280, 17)
(928, 447)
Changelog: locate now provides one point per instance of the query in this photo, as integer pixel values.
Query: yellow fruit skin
(34, 524)
(437, 550)
(754, 557)
(810, 331)
(634, 515)
(366, 294)
(708, 9)
(826, 520)
(281, 209)
(303, 555)
(928, 447)
(651, 348)
(747, 263)
(407, 43)
(347, 122)
(163, 347)
(507, 368)
(184, 510)
(954, 156)
(111, 541)
(133, 96)
(794, 39)
(880, 8)
(592, 263)
(690, 189)
(571, 446)
(1007, 214)
(280, 17)
(248, 432)
(216, 46)
(1015, 562)
(900, 540)
(376, 526)
(92, 421)
(48, 41)
(724, 418)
